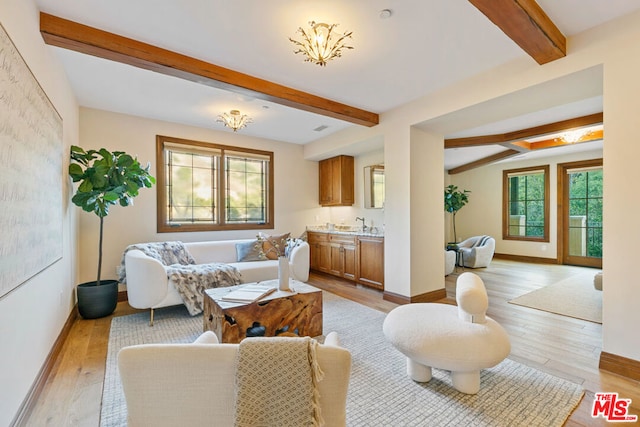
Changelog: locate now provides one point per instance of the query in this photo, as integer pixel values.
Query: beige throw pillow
(268, 243)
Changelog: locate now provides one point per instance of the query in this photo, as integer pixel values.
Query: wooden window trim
(505, 204)
(563, 208)
(162, 223)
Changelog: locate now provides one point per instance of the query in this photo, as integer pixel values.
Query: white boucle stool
(458, 339)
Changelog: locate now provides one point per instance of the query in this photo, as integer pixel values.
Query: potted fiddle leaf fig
(106, 178)
(454, 200)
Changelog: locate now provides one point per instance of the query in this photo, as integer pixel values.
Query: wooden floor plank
(562, 346)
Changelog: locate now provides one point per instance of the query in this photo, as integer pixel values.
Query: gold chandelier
(320, 44)
(574, 136)
(234, 119)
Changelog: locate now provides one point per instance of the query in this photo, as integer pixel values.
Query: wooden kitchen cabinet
(343, 256)
(320, 252)
(371, 261)
(337, 181)
(352, 257)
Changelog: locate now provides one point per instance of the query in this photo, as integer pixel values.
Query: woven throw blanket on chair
(192, 280)
(276, 382)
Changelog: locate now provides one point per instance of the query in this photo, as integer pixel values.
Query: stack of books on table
(249, 293)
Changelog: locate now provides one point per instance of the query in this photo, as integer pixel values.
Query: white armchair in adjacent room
(477, 251)
(449, 262)
(194, 384)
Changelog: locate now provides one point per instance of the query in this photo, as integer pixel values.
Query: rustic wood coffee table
(279, 313)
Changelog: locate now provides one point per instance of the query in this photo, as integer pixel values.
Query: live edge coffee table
(296, 313)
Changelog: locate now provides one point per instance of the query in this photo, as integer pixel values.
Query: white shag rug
(380, 392)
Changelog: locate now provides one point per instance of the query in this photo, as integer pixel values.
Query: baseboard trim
(426, 297)
(531, 259)
(430, 296)
(30, 400)
(619, 365)
(395, 298)
(123, 296)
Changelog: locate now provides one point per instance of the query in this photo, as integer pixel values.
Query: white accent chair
(193, 384)
(459, 339)
(477, 251)
(449, 262)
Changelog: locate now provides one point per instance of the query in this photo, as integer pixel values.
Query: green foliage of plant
(585, 198)
(106, 179)
(454, 200)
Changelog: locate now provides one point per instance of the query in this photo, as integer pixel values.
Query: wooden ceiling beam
(561, 126)
(92, 41)
(484, 161)
(518, 135)
(528, 25)
(474, 141)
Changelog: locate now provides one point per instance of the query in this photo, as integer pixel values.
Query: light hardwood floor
(562, 346)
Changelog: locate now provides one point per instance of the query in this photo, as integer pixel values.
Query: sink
(347, 228)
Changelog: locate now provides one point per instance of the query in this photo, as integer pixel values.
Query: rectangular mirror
(374, 187)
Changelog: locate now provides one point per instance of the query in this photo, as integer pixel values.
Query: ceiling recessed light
(385, 13)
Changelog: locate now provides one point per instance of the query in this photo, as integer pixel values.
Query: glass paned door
(582, 213)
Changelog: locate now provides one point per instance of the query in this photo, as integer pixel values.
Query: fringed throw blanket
(276, 383)
(168, 253)
(191, 279)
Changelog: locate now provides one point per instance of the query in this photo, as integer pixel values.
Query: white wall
(483, 213)
(613, 48)
(621, 293)
(32, 316)
(296, 186)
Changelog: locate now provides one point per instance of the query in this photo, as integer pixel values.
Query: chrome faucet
(364, 227)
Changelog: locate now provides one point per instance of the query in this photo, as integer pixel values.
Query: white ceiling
(424, 46)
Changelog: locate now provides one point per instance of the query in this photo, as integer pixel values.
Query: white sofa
(149, 287)
(161, 389)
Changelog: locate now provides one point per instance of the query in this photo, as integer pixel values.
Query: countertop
(348, 230)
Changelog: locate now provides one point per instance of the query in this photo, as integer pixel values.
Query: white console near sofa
(148, 285)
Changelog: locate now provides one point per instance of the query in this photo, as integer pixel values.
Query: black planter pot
(97, 301)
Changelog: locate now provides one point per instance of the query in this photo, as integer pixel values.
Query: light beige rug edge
(573, 297)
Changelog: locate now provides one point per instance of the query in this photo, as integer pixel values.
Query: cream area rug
(572, 297)
(380, 392)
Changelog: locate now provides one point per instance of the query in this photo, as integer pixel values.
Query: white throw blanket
(276, 383)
